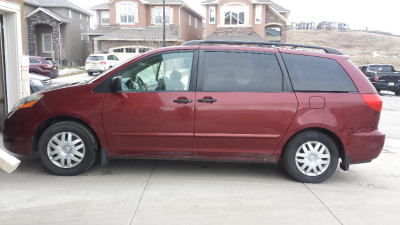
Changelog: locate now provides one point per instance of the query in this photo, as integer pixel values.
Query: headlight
(26, 102)
(36, 82)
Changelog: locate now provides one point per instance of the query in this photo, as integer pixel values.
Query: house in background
(245, 20)
(54, 29)
(14, 81)
(125, 27)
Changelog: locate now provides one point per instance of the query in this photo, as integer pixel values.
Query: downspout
(179, 24)
(60, 40)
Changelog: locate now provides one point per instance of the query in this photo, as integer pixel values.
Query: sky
(382, 15)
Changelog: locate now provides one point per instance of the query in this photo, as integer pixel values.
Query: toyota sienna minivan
(209, 100)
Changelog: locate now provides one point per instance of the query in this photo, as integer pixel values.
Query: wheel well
(330, 134)
(48, 123)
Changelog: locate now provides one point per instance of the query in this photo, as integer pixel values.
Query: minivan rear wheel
(311, 157)
(67, 148)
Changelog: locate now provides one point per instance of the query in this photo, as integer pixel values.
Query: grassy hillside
(362, 47)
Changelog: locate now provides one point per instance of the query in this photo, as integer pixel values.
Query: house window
(235, 15)
(212, 14)
(118, 50)
(258, 14)
(80, 16)
(158, 15)
(105, 17)
(130, 50)
(81, 26)
(127, 12)
(195, 22)
(273, 34)
(234, 18)
(190, 20)
(70, 14)
(47, 43)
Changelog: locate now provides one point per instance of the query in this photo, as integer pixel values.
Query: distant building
(310, 26)
(343, 26)
(302, 26)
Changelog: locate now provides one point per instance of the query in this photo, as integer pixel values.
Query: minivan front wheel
(311, 157)
(67, 148)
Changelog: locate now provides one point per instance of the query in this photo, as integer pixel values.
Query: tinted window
(34, 61)
(240, 71)
(130, 50)
(165, 72)
(316, 74)
(95, 58)
(381, 68)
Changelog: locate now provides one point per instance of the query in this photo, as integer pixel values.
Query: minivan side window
(164, 72)
(315, 74)
(241, 72)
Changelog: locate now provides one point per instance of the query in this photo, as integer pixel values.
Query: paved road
(133, 191)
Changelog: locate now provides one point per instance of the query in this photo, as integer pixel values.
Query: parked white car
(98, 63)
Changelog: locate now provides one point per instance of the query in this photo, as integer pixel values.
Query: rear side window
(241, 72)
(315, 74)
(95, 58)
(34, 61)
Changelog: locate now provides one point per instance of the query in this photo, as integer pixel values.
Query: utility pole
(163, 14)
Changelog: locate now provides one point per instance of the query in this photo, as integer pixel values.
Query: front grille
(47, 82)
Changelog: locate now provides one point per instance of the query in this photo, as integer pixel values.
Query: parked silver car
(39, 82)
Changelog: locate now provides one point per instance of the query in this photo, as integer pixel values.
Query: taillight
(47, 66)
(103, 62)
(376, 78)
(86, 62)
(373, 101)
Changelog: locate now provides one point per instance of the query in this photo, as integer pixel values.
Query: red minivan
(209, 100)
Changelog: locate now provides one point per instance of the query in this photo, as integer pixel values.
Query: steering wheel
(141, 84)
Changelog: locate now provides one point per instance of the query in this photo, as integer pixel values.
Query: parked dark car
(383, 77)
(39, 82)
(208, 100)
(43, 66)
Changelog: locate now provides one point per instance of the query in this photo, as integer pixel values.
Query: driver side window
(164, 72)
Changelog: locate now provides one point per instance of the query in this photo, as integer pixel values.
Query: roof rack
(264, 44)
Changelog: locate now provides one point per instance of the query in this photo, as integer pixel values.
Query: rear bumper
(363, 145)
(94, 70)
(386, 86)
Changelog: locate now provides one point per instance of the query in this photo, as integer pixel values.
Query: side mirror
(116, 85)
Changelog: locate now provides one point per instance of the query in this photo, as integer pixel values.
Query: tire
(60, 158)
(397, 93)
(90, 73)
(306, 167)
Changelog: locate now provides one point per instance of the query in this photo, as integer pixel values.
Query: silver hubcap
(312, 158)
(66, 150)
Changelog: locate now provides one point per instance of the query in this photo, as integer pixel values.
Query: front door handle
(183, 100)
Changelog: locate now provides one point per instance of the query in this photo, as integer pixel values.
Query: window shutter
(118, 13)
(135, 12)
(246, 15)
(153, 15)
(171, 15)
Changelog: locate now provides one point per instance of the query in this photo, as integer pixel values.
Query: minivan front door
(154, 114)
(242, 110)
